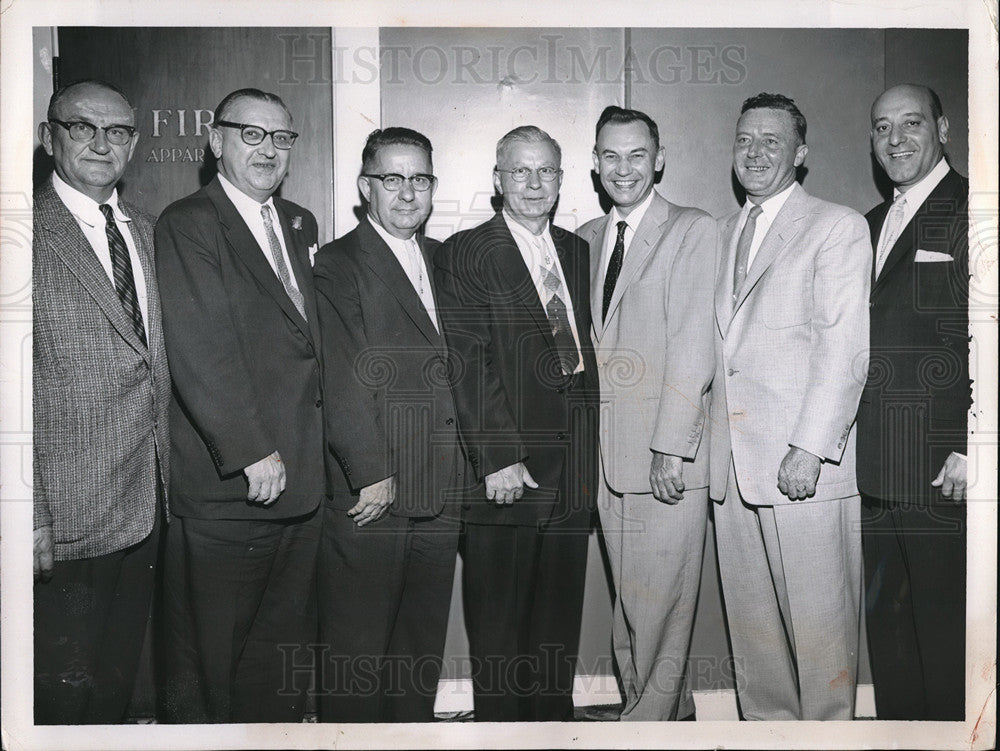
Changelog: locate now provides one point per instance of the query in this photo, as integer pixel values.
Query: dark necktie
(281, 268)
(558, 315)
(743, 250)
(614, 267)
(121, 270)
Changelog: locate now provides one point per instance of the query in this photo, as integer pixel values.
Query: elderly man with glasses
(246, 422)
(514, 298)
(387, 559)
(100, 395)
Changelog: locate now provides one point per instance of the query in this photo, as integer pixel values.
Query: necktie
(555, 309)
(121, 269)
(743, 249)
(614, 267)
(279, 262)
(893, 224)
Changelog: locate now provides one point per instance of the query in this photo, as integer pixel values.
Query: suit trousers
(791, 582)
(655, 550)
(523, 595)
(90, 623)
(915, 608)
(238, 619)
(384, 598)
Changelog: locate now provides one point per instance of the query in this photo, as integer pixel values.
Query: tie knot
(900, 201)
(109, 213)
(622, 226)
(265, 213)
(755, 211)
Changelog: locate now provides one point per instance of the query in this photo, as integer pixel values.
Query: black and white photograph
(376, 373)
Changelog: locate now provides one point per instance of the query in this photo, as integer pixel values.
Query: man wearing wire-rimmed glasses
(246, 427)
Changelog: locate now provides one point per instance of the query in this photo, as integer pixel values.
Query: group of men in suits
(344, 420)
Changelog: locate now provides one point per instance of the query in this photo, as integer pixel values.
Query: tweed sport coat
(791, 350)
(100, 397)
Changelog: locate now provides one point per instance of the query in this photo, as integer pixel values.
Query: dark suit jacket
(246, 366)
(513, 400)
(913, 411)
(385, 373)
(100, 396)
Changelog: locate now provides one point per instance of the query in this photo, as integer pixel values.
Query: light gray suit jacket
(792, 349)
(655, 350)
(100, 396)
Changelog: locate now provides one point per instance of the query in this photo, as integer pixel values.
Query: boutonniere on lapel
(296, 222)
(313, 250)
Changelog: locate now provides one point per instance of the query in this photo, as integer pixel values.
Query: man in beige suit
(791, 359)
(651, 309)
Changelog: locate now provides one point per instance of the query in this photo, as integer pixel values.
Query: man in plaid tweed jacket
(100, 393)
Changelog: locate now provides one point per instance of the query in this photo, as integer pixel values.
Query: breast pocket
(788, 301)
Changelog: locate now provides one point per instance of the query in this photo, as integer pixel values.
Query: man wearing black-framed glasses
(387, 560)
(246, 426)
(100, 393)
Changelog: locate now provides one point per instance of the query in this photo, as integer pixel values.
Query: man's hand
(952, 478)
(798, 474)
(374, 501)
(265, 479)
(665, 477)
(44, 553)
(506, 485)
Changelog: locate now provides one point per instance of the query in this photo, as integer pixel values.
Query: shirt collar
(245, 204)
(771, 206)
(519, 231)
(396, 244)
(635, 215)
(85, 208)
(918, 192)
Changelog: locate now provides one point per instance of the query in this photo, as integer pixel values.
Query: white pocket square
(931, 256)
(314, 249)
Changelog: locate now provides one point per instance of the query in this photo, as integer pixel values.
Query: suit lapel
(383, 262)
(242, 241)
(575, 276)
(514, 272)
(784, 227)
(647, 234)
(597, 242)
(68, 242)
(724, 280)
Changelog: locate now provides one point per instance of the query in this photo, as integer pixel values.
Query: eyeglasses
(254, 134)
(521, 174)
(82, 131)
(393, 182)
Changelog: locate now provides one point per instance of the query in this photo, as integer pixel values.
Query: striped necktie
(280, 267)
(121, 268)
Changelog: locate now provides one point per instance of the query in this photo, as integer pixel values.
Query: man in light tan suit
(791, 308)
(651, 306)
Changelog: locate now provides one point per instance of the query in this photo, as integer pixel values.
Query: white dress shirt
(916, 195)
(539, 254)
(408, 254)
(769, 211)
(611, 235)
(249, 209)
(88, 215)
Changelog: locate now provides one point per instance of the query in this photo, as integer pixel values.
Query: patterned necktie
(893, 224)
(279, 262)
(614, 268)
(555, 309)
(743, 250)
(121, 269)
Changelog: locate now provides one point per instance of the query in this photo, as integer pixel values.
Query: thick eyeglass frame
(279, 142)
(82, 128)
(393, 181)
(521, 174)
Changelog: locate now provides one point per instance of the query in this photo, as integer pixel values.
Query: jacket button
(319, 402)
(449, 421)
(732, 372)
(560, 436)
